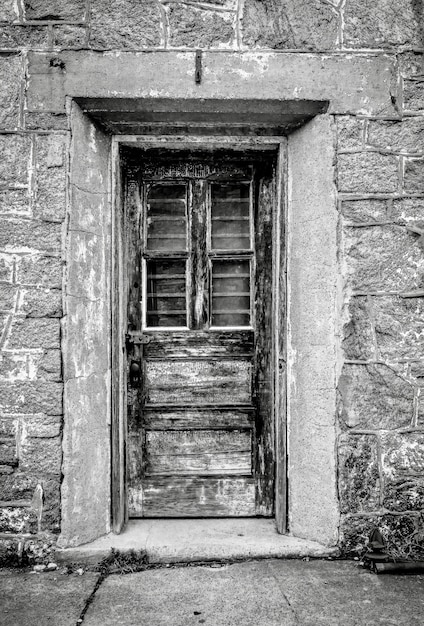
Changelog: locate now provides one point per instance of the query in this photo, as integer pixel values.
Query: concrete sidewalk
(260, 593)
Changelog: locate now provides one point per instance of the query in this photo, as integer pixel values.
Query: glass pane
(231, 292)
(166, 292)
(230, 204)
(166, 218)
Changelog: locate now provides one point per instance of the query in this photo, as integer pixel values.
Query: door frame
(119, 314)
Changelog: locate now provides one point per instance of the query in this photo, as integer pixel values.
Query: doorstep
(193, 540)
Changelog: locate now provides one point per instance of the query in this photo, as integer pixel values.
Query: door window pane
(166, 218)
(166, 293)
(230, 216)
(231, 292)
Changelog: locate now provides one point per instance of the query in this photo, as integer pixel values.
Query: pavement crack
(286, 598)
(90, 598)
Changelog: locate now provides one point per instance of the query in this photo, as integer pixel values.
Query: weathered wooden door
(199, 341)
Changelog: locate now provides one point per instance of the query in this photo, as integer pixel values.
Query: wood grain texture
(198, 452)
(175, 345)
(192, 497)
(197, 382)
(198, 417)
(264, 366)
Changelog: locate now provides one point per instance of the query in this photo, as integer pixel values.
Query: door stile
(264, 459)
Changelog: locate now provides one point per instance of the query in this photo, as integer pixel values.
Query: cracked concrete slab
(268, 592)
(46, 599)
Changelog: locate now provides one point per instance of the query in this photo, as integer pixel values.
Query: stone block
(49, 366)
(50, 200)
(399, 328)
(359, 482)
(34, 333)
(402, 456)
(382, 258)
(350, 132)
(41, 302)
(44, 271)
(40, 456)
(55, 10)
(411, 63)
(414, 175)
(190, 27)
(125, 24)
(8, 425)
(404, 496)
(20, 37)
(14, 365)
(382, 23)
(68, 37)
(405, 135)
(413, 95)
(8, 11)
(31, 397)
(45, 121)
(42, 426)
(367, 172)
(8, 452)
(364, 211)
(400, 533)
(11, 76)
(29, 235)
(8, 294)
(15, 202)
(18, 520)
(292, 24)
(15, 159)
(407, 210)
(374, 397)
(50, 518)
(7, 264)
(17, 486)
(358, 341)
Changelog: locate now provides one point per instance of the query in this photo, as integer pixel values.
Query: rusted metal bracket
(138, 340)
(198, 67)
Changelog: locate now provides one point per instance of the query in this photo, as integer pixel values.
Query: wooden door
(199, 341)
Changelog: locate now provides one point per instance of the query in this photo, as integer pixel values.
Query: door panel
(199, 341)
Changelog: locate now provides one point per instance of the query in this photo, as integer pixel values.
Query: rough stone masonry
(379, 174)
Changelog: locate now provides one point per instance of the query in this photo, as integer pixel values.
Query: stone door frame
(94, 485)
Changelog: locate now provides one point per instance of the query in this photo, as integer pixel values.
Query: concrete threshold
(192, 540)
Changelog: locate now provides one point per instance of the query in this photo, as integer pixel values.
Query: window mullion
(198, 265)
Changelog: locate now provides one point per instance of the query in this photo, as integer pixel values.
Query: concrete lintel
(184, 540)
(352, 83)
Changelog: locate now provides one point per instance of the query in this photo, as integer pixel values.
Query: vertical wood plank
(280, 342)
(264, 371)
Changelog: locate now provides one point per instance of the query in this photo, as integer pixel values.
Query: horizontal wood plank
(174, 419)
(200, 464)
(195, 442)
(197, 382)
(192, 497)
(177, 344)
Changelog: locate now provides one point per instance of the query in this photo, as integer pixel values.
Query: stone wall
(380, 180)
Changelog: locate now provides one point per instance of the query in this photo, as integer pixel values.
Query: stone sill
(193, 540)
